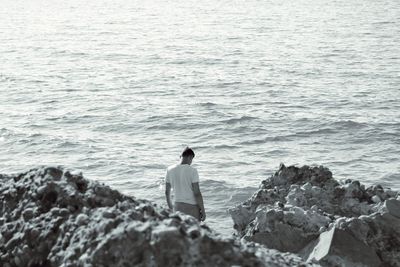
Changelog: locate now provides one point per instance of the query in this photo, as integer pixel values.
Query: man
(184, 180)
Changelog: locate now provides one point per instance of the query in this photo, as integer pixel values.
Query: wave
(238, 120)
(152, 166)
(225, 192)
(227, 84)
(4, 78)
(349, 124)
(68, 144)
(213, 184)
(239, 196)
(224, 146)
(34, 135)
(207, 104)
(179, 126)
(389, 124)
(315, 132)
(4, 130)
(333, 128)
(267, 139)
(116, 128)
(390, 178)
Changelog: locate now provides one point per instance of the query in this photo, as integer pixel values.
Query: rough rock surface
(52, 217)
(295, 208)
(337, 247)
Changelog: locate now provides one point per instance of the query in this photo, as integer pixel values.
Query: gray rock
(309, 202)
(393, 207)
(282, 238)
(82, 219)
(27, 214)
(62, 219)
(338, 247)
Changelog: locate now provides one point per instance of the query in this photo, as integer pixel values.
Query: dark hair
(187, 152)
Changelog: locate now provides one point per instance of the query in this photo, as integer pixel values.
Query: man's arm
(168, 194)
(199, 200)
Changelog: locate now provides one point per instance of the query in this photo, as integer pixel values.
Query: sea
(116, 89)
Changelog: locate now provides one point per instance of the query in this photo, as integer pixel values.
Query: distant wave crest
(349, 124)
(239, 120)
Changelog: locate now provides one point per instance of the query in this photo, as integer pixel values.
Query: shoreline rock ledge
(304, 210)
(50, 216)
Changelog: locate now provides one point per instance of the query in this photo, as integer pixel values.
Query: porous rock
(53, 217)
(296, 208)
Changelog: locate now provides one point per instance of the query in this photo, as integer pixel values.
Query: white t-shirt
(181, 177)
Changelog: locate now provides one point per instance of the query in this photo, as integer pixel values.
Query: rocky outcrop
(305, 211)
(52, 217)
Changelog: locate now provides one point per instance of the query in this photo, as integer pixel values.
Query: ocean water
(116, 89)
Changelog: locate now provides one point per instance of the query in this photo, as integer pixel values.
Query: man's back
(184, 179)
(181, 177)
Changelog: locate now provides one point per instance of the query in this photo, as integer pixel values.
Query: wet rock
(297, 208)
(53, 217)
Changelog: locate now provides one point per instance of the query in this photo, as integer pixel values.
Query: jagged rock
(337, 247)
(277, 227)
(380, 231)
(295, 206)
(52, 217)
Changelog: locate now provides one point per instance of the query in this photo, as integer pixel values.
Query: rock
(53, 217)
(376, 199)
(339, 248)
(276, 227)
(379, 231)
(27, 214)
(297, 205)
(282, 238)
(82, 219)
(393, 207)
